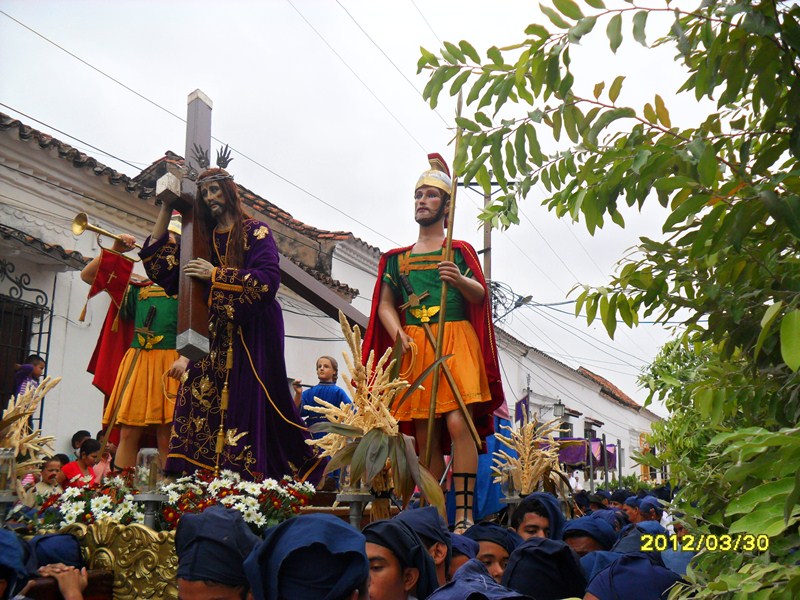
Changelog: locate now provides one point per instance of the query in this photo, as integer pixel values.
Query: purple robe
(264, 435)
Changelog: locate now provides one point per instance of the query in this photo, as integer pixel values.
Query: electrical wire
(122, 160)
(403, 75)
(349, 68)
(231, 146)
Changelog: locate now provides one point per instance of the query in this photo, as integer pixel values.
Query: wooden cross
(192, 339)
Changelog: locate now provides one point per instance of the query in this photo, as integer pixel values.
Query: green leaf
(538, 30)
(616, 87)
(469, 51)
(759, 495)
(359, 462)
(377, 453)
(403, 482)
(459, 82)
(596, 4)
(662, 112)
(614, 32)
(495, 55)
(650, 114)
(687, 208)
(606, 119)
(591, 309)
(568, 8)
(465, 123)
(766, 325)
(707, 167)
(608, 314)
(431, 489)
(598, 89)
(678, 182)
(639, 22)
(554, 17)
(581, 28)
(790, 339)
(767, 520)
(475, 91)
(455, 51)
(342, 458)
(792, 499)
(483, 119)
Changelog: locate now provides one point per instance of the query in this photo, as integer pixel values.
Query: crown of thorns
(215, 177)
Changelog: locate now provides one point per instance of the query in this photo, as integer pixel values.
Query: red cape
(111, 347)
(480, 315)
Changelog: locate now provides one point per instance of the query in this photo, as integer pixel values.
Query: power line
(181, 119)
(344, 62)
(91, 66)
(69, 136)
(566, 327)
(403, 75)
(426, 22)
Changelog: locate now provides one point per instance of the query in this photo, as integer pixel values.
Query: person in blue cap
(211, 548)
(399, 565)
(587, 534)
(631, 508)
(538, 515)
(473, 582)
(496, 545)
(650, 509)
(464, 549)
(633, 576)
(431, 528)
(545, 569)
(618, 498)
(12, 572)
(310, 557)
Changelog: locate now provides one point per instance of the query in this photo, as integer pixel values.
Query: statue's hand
(199, 268)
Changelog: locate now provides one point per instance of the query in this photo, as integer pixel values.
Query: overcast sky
(321, 102)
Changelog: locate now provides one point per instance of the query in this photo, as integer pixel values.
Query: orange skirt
(149, 398)
(466, 365)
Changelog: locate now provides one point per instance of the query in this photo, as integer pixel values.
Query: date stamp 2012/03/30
(734, 542)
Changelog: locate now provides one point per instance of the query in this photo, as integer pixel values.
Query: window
(589, 432)
(566, 430)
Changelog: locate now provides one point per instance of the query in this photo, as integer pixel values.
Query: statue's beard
(433, 219)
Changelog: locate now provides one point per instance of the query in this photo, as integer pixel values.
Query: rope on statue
(412, 346)
(223, 400)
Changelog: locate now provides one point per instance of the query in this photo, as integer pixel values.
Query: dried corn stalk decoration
(30, 446)
(536, 462)
(366, 436)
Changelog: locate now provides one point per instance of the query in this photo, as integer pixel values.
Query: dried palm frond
(16, 432)
(536, 461)
(365, 434)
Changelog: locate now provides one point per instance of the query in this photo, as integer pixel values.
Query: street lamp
(558, 409)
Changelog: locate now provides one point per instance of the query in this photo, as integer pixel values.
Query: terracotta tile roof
(250, 198)
(70, 258)
(78, 159)
(609, 390)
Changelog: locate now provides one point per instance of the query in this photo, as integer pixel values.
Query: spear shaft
(448, 252)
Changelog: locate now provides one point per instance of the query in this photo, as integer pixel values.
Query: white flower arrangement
(261, 503)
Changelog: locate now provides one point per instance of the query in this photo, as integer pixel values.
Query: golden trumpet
(81, 223)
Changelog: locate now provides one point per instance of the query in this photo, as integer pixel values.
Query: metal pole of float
(605, 462)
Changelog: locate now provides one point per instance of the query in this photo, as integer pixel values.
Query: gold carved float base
(143, 561)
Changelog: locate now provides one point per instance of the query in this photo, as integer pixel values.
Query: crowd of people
(538, 553)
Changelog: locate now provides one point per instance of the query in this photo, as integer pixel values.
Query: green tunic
(137, 303)
(423, 274)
